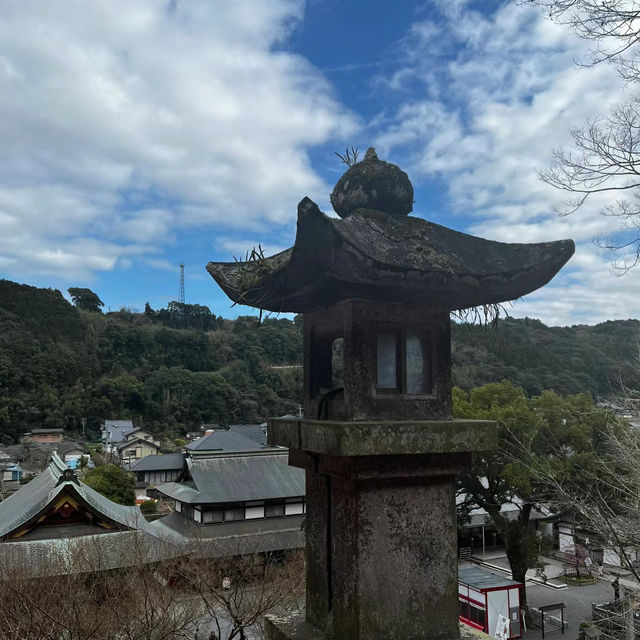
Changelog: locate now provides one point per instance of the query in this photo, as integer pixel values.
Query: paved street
(577, 600)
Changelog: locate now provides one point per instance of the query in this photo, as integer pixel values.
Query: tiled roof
(255, 432)
(238, 479)
(20, 507)
(163, 462)
(67, 446)
(223, 441)
(123, 424)
(234, 538)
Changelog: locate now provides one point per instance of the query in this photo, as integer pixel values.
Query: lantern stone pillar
(378, 442)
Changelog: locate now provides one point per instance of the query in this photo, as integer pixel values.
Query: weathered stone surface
(371, 438)
(381, 544)
(373, 184)
(372, 256)
(358, 322)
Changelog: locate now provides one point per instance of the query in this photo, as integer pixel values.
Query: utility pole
(181, 287)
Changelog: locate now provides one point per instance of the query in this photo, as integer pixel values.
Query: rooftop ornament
(378, 441)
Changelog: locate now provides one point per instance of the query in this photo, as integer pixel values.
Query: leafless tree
(81, 602)
(238, 591)
(612, 26)
(605, 157)
(599, 491)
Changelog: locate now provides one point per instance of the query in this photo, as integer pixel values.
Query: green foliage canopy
(113, 483)
(564, 432)
(85, 299)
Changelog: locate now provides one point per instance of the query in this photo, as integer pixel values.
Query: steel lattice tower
(181, 287)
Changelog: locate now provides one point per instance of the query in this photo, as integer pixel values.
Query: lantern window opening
(404, 361)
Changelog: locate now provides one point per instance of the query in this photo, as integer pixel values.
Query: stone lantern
(378, 441)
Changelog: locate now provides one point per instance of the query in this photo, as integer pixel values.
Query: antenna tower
(181, 287)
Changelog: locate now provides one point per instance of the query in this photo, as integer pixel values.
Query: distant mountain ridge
(59, 364)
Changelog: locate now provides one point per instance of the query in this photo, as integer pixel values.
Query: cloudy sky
(138, 135)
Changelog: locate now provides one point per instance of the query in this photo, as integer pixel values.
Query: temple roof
(32, 499)
(238, 478)
(374, 256)
(74, 547)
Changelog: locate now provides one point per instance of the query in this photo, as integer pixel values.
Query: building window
(473, 612)
(213, 516)
(231, 515)
(274, 509)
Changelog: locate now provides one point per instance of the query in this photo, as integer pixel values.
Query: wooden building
(56, 524)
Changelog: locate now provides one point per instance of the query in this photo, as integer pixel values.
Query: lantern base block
(383, 437)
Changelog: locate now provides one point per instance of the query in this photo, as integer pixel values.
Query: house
(235, 503)
(157, 469)
(56, 524)
(11, 475)
(69, 451)
(112, 432)
(120, 437)
(46, 436)
(134, 448)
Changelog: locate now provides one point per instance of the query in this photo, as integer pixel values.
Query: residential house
(113, 432)
(158, 469)
(46, 436)
(69, 451)
(121, 438)
(11, 475)
(135, 447)
(56, 523)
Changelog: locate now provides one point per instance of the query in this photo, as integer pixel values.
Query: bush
(149, 506)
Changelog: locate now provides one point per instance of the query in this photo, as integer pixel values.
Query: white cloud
(124, 120)
(486, 122)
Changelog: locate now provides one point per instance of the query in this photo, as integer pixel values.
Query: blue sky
(136, 136)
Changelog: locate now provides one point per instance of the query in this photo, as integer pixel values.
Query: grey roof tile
(238, 479)
(223, 441)
(163, 462)
(255, 432)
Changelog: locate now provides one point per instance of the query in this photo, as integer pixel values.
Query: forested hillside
(175, 368)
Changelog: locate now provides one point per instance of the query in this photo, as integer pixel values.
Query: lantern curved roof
(371, 255)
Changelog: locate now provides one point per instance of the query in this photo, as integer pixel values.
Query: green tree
(562, 432)
(85, 299)
(113, 483)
